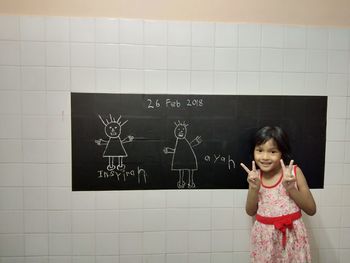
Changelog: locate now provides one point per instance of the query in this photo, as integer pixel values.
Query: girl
(276, 195)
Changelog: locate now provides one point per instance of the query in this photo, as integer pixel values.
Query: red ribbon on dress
(281, 223)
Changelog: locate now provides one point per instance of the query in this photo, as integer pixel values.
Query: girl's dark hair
(278, 135)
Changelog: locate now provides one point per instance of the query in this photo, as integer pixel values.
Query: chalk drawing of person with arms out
(184, 158)
(114, 145)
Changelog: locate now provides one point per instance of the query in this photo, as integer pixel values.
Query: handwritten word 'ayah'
(140, 173)
(218, 158)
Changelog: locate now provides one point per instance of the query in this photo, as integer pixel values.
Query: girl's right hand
(253, 176)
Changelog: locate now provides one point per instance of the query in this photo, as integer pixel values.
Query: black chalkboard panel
(153, 141)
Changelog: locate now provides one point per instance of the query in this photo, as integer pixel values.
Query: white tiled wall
(42, 59)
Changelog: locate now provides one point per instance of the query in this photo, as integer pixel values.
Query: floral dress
(267, 247)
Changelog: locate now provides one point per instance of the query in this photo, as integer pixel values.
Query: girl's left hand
(288, 179)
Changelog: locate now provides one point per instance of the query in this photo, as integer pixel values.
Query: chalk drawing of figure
(114, 145)
(184, 158)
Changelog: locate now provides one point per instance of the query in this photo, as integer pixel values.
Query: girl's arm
(302, 195)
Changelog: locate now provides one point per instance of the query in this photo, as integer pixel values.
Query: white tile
(107, 221)
(130, 199)
(241, 240)
(82, 29)
(179, 82)
(199, 219)
(249, 59)
(34, 151)
(107, 200)
(347, 152)
(10, 53)
(156, 81)
(83, 200)
(11, 222)
(154, 220)
(337, 85)
(35, 198)
(334, 174)
(176, 242)
(10, 151)
(58, 175)
(179, 58)
(248, 83)
(10, 78)
(57, 29)
(200, 198)
(154, 199)
(177, 218)
(11, 245)
(271, 83)
(199, 241)
(107, 80)
(203, 34)
(337, 107)
(35, 222)
(107, 30)
(295, 37)
(271, 59)
(58, 103)
(336, 129)
(346, 178)
(58, 127)
(327, 237)
(82, 55)
(33, 53)
(130, 220)
(202, 82)
(11, 175)
(107, 244)
(10, 127)
(155, 57)
(155, 32)
(222, 241)
(226, 35)
(328, 255)
(317, 61)
(226, 59)
(241, 220)
(59, 198)
(202, 58)
(317, 38)
(339, 38)
(344, 254)
(272, 36)
(222, 218)
(225, 82)
(294, 60)
(107, 55)
(58, 151)
(338, 61)
(33, 78)
(131, 31)
(335, 152)
(240, 196)
(156, 258)
(131, 57)
(32, 28)
(179, 33)
(83, 244)
(132, 81)
(176, 258)
(57, 78)
(130, 243)
(329, 217)
(154, 242)
(83, 221)
(82, 80)
(57, 54)
(222, 198)
(200, 258)
(316, 83)
(345, 238)
(34, 175)
(59, 221)
(249, 35)
(34, 127)
(177, 198)
(83, 259)
(224, 257)
(34, 103)
(107, 259)
(9, 27)
(60, 244)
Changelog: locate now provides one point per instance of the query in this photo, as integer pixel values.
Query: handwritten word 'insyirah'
(220, 159)
(123, 175)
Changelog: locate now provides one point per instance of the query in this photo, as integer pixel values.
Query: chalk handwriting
(174, 103)
(123, 175)
(218, 158)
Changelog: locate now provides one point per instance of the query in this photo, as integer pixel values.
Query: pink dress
(266, 240)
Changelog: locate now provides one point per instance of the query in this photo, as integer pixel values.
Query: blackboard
(158, 141)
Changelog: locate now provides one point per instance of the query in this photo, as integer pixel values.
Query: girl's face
(112, 130)
(267, 156)
(180, 132)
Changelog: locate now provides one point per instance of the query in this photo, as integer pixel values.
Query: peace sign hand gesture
(253, 177)
(288, 179)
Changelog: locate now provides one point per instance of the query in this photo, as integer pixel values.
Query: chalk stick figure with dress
(184, 157)
(114, 145)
